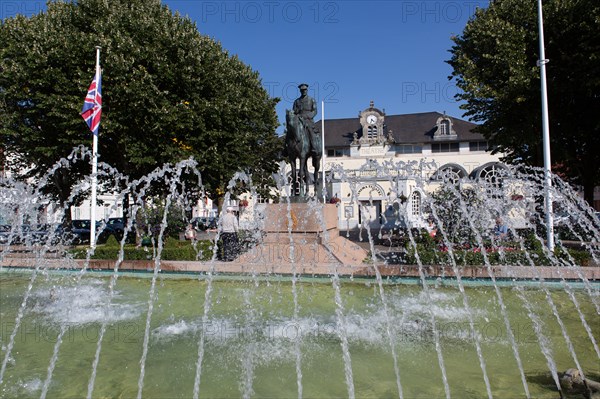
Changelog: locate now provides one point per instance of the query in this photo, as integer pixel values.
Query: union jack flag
(92, 106)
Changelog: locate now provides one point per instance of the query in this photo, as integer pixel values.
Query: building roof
(406, 129)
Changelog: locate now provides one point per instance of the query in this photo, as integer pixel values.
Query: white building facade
(376, 162)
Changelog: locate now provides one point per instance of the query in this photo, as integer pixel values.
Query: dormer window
(444, 129)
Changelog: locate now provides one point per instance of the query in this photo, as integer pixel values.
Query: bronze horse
(299, 145)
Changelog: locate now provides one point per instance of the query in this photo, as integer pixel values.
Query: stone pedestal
(303, 234)
(300, 218)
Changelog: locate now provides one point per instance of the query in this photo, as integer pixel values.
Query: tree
(453, 215)
(494, 62)
(169, 93)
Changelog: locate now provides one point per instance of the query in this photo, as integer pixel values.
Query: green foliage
(580, 257)
(530, 241)
(474, 257)
(173, 250)
(169, 93)
(112, 241)
(171, 242)
(494, 62)
(432, 252)
(149, 219)
(453, 206)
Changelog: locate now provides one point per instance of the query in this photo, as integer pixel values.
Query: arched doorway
(370, 197)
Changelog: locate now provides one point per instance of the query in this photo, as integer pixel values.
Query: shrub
(149, 218)
(474, 257)
(112, 241)
(580, 256)
(173, 250)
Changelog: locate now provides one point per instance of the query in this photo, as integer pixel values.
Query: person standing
(190, 233)
(229, 230)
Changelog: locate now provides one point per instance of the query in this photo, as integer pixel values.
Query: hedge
(172, 250)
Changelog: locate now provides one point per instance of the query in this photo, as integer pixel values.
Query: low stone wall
(482, 272)
(318, 268)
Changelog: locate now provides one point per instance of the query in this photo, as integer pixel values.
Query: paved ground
(385, 250)
(388, 262)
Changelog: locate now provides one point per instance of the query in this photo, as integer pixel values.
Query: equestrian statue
(303, 141)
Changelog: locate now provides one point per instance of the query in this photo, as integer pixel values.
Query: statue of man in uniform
(306, 108)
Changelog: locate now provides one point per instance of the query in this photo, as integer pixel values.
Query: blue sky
(349, 52)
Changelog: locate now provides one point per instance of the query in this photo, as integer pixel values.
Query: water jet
(292, 325)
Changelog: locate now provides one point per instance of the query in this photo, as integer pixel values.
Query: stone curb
(323, 269)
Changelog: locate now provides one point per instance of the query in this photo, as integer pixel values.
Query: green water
(251, 335)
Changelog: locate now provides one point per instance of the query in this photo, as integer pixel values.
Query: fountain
(465, 315)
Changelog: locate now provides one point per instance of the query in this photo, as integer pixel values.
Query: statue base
(303, 234)
(305, 200)
(302, 217)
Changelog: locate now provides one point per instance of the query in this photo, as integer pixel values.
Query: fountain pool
(255, 344)
(156, 335)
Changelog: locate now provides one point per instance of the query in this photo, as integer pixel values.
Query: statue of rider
(306, 108)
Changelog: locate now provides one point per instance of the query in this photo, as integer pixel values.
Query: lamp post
(546, 135)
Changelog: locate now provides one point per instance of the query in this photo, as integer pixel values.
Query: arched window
(493, 175)
(415, 203)
(445, 127)
(372, 132)
(450, 173)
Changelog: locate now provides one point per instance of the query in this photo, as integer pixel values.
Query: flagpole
(94, 169)
(546, 135)
(323, 148)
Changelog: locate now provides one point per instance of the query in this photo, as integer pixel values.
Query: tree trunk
(588, 191)
(61, 181)
(220, 202)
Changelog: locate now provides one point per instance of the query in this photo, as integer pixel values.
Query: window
(261, 200)
(478, 146)
(409, 149)
(444, 147)
(338, 152)
(445, 127)
(415, 203)
(451, 173)
(444, 130)
(493, 175)
(372, 132)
